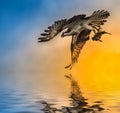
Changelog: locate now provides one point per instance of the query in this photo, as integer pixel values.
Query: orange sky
(98, 62)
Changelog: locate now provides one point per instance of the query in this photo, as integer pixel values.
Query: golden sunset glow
(33, 77)
(99, 68)
(98, 62)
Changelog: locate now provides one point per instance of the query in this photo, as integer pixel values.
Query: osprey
(79, 27)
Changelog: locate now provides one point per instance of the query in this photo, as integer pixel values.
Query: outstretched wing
(52, 31)
(58, 26)
(98, 18)
(77, 43)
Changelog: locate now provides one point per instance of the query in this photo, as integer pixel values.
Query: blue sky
(26, 14)
(15, 13)
(21, 22)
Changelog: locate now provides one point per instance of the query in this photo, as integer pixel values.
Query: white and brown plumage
(79, 27)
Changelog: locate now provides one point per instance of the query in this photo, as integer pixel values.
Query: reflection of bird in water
(79, 27)
(47, 107)
(97, 107)
(78, 101)
(98, 35)
(76, 94)
(76, 110)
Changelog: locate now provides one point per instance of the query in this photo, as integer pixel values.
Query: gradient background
(22, 21)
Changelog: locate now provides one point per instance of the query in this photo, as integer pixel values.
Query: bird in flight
(80, 28)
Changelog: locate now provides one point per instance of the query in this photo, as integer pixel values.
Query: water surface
(29, 94)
